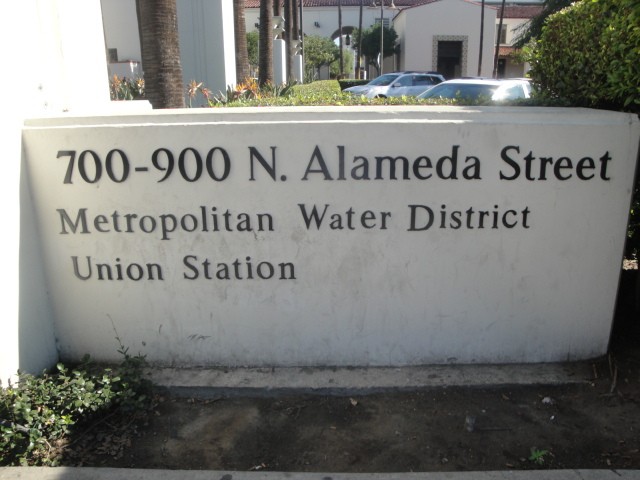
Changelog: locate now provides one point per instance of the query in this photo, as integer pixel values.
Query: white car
(477, 89)
(397, 84)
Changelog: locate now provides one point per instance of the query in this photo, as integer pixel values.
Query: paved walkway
(67, 473)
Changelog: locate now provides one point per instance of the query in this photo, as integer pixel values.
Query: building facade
(432, 34)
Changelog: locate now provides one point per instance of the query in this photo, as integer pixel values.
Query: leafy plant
(538, 456)
(39, 414)
(588, 52)
(347, 62)
(126, 88)
(249, 93)
(318, 52)
(252, 49)
(193, 88)
(371, 43)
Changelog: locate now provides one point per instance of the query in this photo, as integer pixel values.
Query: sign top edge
(435, 114)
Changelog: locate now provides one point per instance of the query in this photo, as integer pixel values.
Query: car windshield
(511, 92)
(460, 90)
(383, 80)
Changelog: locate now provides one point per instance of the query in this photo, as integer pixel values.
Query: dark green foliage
(39, 414)
(318, 52)
(252, 49)
(632, 249)
(371, 43)
(533, 29)
(589, 54)
(351, 82)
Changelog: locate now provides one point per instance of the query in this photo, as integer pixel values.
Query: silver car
(397, 85)
(476, 89)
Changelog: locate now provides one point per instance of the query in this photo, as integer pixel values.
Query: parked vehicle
(477, 89)
(397, 84)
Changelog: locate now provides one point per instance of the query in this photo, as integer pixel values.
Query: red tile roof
(521, 11)
(506, 51)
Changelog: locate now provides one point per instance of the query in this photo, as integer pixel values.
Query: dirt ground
(593, 424)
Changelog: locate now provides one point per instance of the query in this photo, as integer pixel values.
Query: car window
(383, 80)
(512, 93)
(424, 80)
(453, 91)
(404, 81)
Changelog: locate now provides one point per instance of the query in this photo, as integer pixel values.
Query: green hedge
(589, 54)
(351, 82)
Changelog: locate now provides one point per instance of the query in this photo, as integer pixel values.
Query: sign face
(334, 236)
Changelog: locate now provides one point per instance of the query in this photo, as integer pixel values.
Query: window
(501, 34)
(404, 81)
(112, 55)
(424, 80)
(385, 22)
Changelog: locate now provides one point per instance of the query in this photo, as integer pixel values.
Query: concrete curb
(348, 381)
(68, 473)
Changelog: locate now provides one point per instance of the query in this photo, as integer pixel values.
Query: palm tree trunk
(240, 33)
(340, 40)
(265, 59)
(495, 57)
(295, 24)
(160, 45)
(359, 65)
(288, 36)
(481, 38)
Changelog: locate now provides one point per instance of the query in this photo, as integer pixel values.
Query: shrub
(39, 414)
(588, 54)
(351, 82)
(126, 88)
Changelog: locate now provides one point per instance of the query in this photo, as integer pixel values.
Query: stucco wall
(62, 68)
(207, 43)
(447, 18)
(121, 28)
(327, 19)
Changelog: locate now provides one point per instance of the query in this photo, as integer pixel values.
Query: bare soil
(592, 424)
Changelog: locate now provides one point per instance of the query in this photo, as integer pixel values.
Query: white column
(279, 62)
(60, 66)
(72, 59)
(297, 69)
(207, 45)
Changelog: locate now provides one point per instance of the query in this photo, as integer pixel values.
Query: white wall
(207, 45)
(121, 28)
(446, 18)
(513, 24)
(205, 27)
(416, 27)
(327, 19)
(62, 67)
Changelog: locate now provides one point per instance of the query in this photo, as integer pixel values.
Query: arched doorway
(349, 50)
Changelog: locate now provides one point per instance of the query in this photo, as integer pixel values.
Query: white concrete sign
(334, 236)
